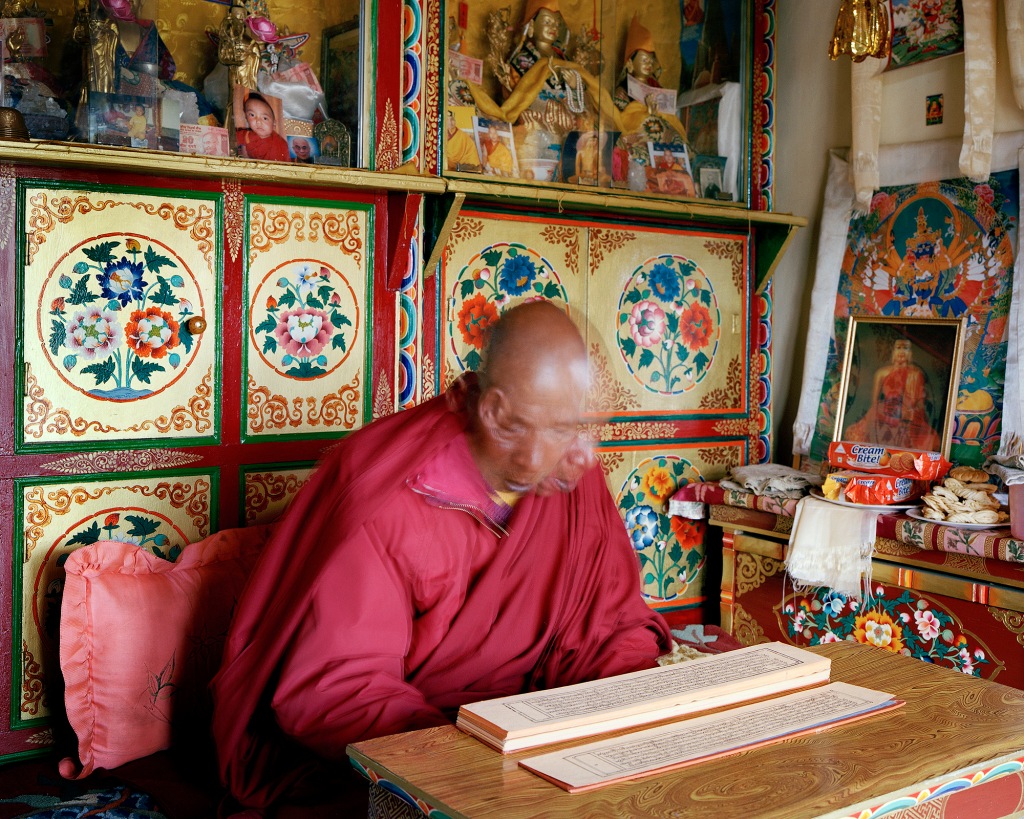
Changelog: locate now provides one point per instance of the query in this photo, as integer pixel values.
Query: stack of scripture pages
(689, 741)
(541, 717)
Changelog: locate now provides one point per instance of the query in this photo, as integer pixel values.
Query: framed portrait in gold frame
(899, 383)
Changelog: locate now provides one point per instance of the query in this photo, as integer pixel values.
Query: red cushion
(140, 639)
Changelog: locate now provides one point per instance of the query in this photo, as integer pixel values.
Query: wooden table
(954, 733)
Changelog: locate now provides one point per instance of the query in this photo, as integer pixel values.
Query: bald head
(532, 387)
(535, 342)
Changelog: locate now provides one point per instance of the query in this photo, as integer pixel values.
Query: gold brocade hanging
(862, 30)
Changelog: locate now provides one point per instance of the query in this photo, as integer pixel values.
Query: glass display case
(654, 99)
(282, 82)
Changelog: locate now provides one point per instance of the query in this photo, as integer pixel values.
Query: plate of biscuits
(965, 499)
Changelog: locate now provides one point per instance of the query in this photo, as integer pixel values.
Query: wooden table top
(951, 726)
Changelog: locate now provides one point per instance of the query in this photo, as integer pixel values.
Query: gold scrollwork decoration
(388, 155)
(464, 230)
(383, 403)
(91, 463)
(234, 215)
(745, 628)
(198, 415)
(605, 241)
(264, 488)
(33, 692)
(721, 456)
(1013, 621)
(340, 229)
(46, 212)
(432, 96)
(270, 227)
(43, 503)
(731, 395)
(427, 378)
(731, 251)
(340, 409)
(607, 393)
(751, 571)
(569, 238)
(610, 461)
(635, 431)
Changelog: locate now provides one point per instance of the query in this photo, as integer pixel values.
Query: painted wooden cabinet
(179, 353)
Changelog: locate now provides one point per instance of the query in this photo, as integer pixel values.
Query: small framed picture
(333, 143)
(124, 121)
(259, 125)
(709, 174)
(900, 381)
(208, 140)
(669, 170)
(496, 147)
(303, 149)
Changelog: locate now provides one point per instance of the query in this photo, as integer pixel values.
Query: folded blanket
(831, 546)
(771, 479)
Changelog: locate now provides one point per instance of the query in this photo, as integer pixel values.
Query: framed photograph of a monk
(900, 381)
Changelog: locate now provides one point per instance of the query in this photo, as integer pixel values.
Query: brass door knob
(196, 325)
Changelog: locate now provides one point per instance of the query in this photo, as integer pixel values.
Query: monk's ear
(490, 408)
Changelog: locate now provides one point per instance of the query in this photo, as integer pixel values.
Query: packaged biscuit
(882, 460)
(872, 489)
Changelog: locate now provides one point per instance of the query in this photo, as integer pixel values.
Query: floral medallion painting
(666, 320)
(120, 326)
(160, 513)
(498, 277)
(308, 290)
(669, 549)
(669, 325)
(935, 250)
(897, 620)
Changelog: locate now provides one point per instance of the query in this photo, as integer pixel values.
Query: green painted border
(245, 469)
(21, 447)
(369, 208)
(18, 556)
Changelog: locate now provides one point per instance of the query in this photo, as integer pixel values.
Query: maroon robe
(391, 594)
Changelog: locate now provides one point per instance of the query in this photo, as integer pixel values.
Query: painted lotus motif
(497, 278)
(668, 324)
(903, 624)
(670, 549)
(304, 319)
(118, 330)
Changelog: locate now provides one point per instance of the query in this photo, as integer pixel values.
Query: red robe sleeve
(344, 677)
(605, 627)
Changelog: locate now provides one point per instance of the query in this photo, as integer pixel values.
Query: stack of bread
(965, 496)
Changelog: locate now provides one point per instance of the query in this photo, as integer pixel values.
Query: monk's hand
(578, 458)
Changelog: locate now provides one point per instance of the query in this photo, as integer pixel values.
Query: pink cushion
(140, 639)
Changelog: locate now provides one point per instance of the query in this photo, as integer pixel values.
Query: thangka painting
(309, 289)
(935, 250)
(159, 513)
(118, 316)
(924, 30)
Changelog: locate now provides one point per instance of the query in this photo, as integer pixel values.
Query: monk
(461, 550)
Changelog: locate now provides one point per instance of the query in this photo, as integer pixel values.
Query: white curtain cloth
(1014, 13)
(979, 88)
(866, 98)
(899, 165)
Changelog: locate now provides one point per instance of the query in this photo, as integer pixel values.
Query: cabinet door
(667, 321)
(112, 283)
